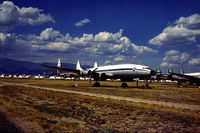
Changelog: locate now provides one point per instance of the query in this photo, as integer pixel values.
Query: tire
(103, 77)
(124, 85)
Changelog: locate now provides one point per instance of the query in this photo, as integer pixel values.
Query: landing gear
(198, 84)
(147, 84)
(96, 84)
(179, 84)
(137, 83)
(124, 85)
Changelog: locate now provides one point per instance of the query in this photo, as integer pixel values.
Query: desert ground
(76, 106)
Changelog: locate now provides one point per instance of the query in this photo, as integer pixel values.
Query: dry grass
(168, 92)
(38, 110)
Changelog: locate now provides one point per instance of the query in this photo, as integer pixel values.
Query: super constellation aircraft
(186, 77)
(180, 77)
(125, 72)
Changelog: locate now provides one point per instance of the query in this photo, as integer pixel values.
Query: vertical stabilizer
(181, 71)
(158, 71)
(59, 63)
(170, 70)
(78, 65)
(96, 65)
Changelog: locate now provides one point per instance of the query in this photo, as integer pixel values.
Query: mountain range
(11, 66)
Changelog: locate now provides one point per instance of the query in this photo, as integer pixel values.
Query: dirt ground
(36, 110)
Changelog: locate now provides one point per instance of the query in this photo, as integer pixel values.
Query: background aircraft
(179, 77)
(187, 77)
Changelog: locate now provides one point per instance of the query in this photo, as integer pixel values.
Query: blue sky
(151, 32)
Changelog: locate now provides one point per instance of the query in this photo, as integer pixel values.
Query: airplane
(179, 77)
(59, 65)
(159, 76)
(186, 77)
(125, 72)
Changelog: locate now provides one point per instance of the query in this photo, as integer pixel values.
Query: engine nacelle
(84, 72)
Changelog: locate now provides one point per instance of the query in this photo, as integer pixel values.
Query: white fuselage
(124, 71)
(197, 74)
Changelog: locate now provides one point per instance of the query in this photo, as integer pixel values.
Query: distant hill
(10, 66)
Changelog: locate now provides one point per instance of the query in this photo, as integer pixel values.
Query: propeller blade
(90, 73)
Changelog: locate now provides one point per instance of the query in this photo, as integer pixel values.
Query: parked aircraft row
(124, 72)
(180, 77)
(24, 76)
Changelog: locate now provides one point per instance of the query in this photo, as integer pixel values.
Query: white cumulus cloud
(82, 22)
(11, 16)
(4, 37)
(119, 58)
(194, 61)
(191, 22)
(107, 45)
(57, 46)
(185, 30)
(49, 34)
(174, 58)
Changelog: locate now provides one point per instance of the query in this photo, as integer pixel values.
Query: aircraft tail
(170, 70)
(78, 66)
(96, 65)
(181, 71)
(158, 71)
(59, 65)
(82, 70)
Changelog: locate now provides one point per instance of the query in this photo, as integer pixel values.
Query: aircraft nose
(153, 72)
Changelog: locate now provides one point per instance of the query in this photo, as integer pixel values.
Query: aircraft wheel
(147, 86)
(124, 85)
(103, 77)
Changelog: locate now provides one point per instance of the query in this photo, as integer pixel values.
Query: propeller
(90, 73)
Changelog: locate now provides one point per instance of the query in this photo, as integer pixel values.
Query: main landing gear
(124, 85)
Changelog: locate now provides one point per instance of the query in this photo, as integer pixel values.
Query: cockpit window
(145, 67)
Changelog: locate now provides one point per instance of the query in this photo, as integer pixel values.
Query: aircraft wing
(184, 76)
(62, 69)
